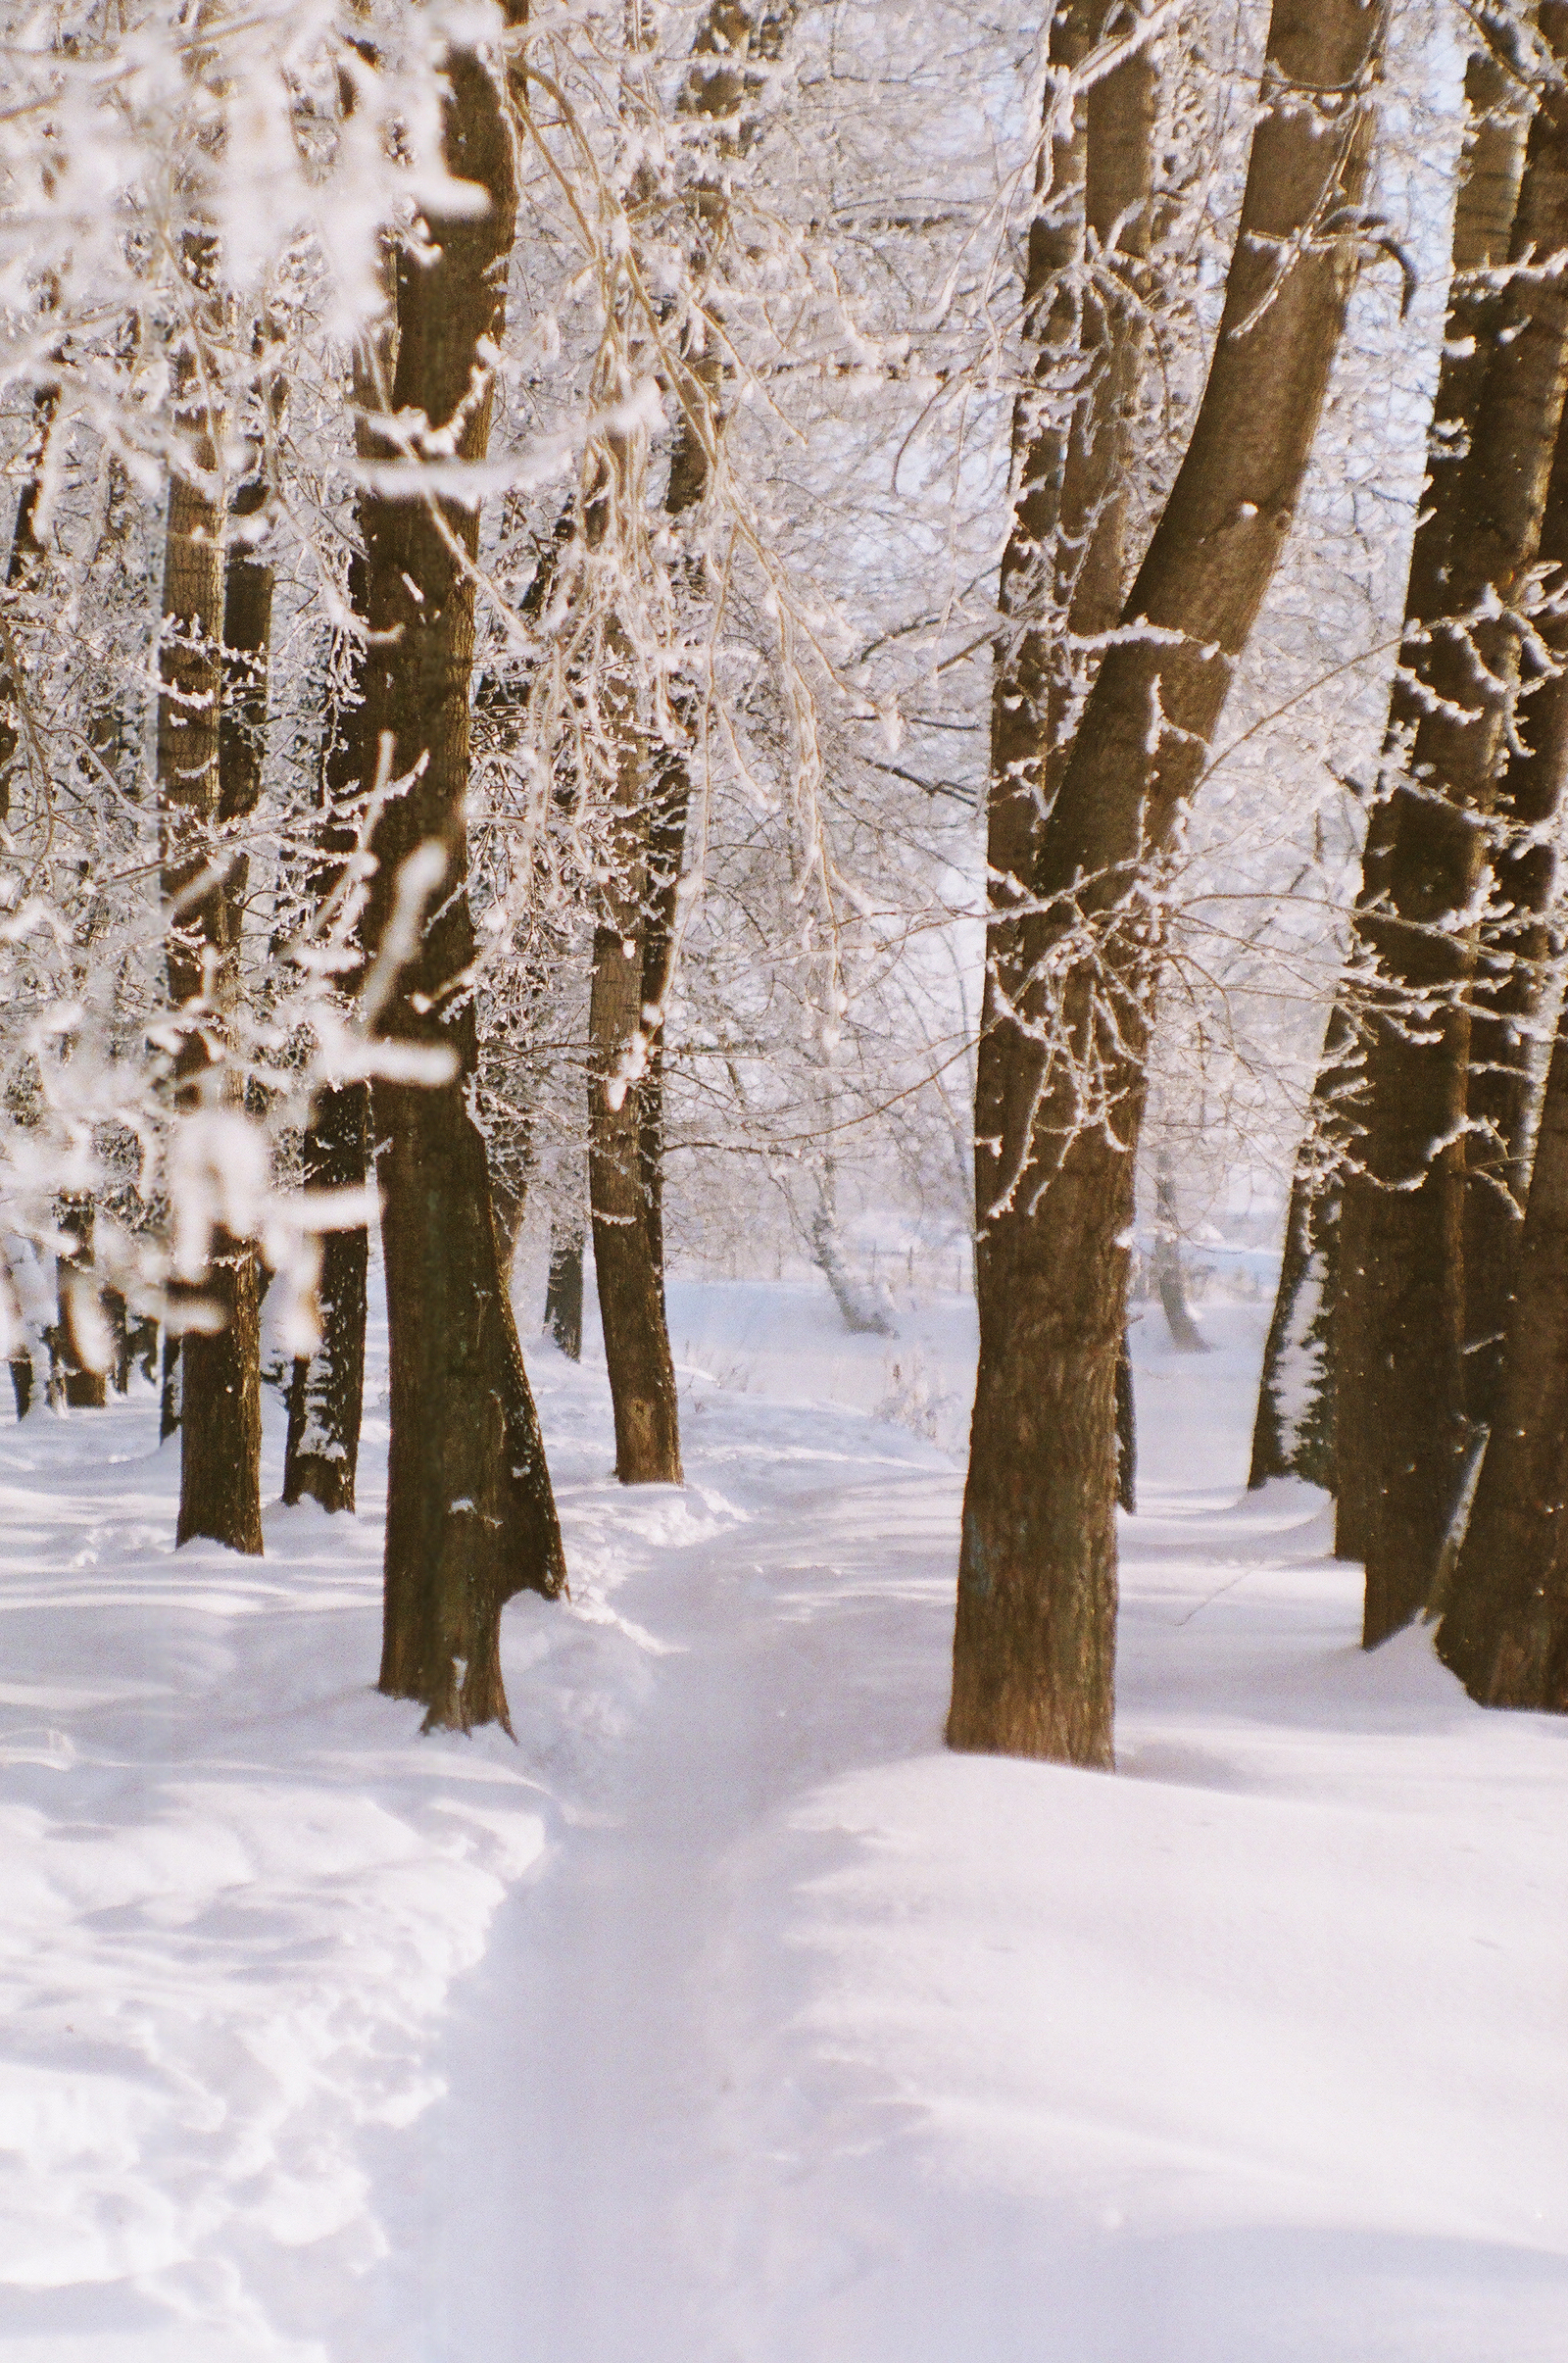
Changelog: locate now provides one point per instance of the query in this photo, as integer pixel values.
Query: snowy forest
(784, 1152)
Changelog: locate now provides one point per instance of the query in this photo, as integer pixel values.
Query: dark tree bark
(327, 1389)
(634, 949)
(1484, 214)
(24, 561)
(168, 1389)
(1292, 1434)
(471, 1515)
(563, 1289)
(1505, 1632)
(1059, 1100)
(220, 1424)
(1515, 948)
(1400, 1359)
(1126, 1432)
(220, 1417)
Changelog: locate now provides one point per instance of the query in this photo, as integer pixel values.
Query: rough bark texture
(470, 1516)
(1515, 948)
(1059, 1100)
(326, 1388)
(1505, 1633)
(631, 1296)
(634, 947)
(1126, 1433)
(1400, 1357)
(220, 1423)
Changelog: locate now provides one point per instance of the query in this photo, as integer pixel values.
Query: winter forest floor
(726, 2018)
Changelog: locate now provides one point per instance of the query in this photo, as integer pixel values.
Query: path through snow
(769, 2033)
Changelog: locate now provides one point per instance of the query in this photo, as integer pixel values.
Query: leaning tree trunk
(1400, 1263)
(471, 1515)
(1506, 1631)
(220, 1424)
(1062, 1102)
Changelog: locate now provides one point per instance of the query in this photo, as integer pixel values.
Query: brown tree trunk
(471, 1515)
(326, 1388)
(1295, 1437)
(220, 1425)
(1126, 1432)
(631, 1296)
(220, 1420)
(634, 948)
(1401, 1261)
(1515, 947)
(1505, 1632)
(1060, 1103)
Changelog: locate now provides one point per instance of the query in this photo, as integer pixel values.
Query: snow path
(728, 2019)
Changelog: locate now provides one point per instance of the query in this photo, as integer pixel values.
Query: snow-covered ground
(726, 2018)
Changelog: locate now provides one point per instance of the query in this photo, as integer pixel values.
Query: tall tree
(1399, 1324)
(1307, 1309)
(634, 943)
(1059, 1100)
(471, 1515)
(220, 1420)
(1516, 940)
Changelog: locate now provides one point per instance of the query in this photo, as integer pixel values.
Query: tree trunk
(471, 1515)
(634, 949)
(1059, 1102)
(326, 1390)
(1401, 1244)
(1170, 1279)
(220, 1427)
(1505, 1632)
(23, 560)
(564, 1291)
(1126, 1432)
(631, 1296)
(83, 1383)
(1516, 945)
(169, 1389)
(1294, 1432)
(221, 1421)
(327, 1387)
